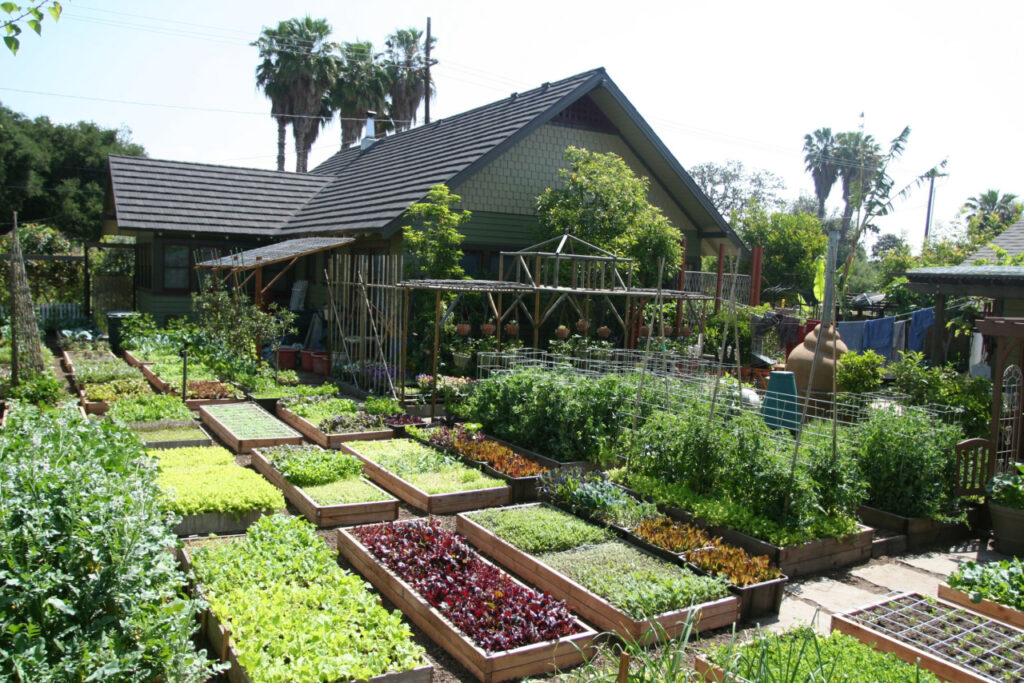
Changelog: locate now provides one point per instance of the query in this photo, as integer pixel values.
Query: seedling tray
(815, 556)
(590, 606)
(219, 636)
(321, 438)
(952, 642)
(434, 504)
(216, 418)
(487, 667)
(327, 515)
(993, 610)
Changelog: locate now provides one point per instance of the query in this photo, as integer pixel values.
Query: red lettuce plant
(480, 599)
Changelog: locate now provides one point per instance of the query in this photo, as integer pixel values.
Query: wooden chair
(975, 465)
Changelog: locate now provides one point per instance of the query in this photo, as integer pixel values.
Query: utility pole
(932, 175)
(426, 80)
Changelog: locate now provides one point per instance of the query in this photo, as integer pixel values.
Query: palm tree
(301, 64)
(406, 60)
(360, 87)
(857, 157)
(1003, 205)
(270, 79)
(819, 150)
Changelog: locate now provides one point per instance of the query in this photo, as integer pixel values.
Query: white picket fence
(49, 313)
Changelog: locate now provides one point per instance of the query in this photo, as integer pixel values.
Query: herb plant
(381, 405)
(589, 494)
(352, 422)
(99, 371)
(115, 389)
(295, 615)
(318, 409)
(481, 600)
(206, 479)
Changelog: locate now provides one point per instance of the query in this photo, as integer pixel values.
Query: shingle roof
(152, 194)
(1011, 239)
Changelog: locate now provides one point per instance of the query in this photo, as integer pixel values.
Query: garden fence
(50, 314)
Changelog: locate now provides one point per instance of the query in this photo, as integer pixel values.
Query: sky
(716, 80)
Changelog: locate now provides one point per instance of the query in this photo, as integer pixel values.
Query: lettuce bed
(426, 468)
(206, 479)
(294, 614)
(328, 477)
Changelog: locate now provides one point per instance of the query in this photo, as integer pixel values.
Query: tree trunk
(821, 208)
(282, 137)
(301, 151)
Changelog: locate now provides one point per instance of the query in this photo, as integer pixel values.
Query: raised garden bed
(244, 426)
(328, 440)
(506, 629)
(212, 494)
(993, 610)
(599, 609)
(954, 643)
(921, 532)
(158, 383)
(375, 505)
(273, 619)
(171, 434)
(519, 468)
(426, 478)
(995, 589)
(134, 360)
(811, 557)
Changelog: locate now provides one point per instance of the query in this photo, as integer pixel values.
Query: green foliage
(730, 187)
(944, 386)
(206, 479)
(236, 327)
(40, 388)
(801, 654)
(318, 409)
(91, 591)
(31, 14)
(1008, 488)
(561, 415)
(49, 281)
(382, 405)
(345, 491)
(149, 408)
(1001, 582)
(58, 170)
(604, 202)
(908, 462)
(312, 465)
(539, 529)
(639, 584)
(108, 370)
(590, 495)
(294, 613)
(792, 244)
(433, 238)
(116, 389)
(860, 372)
(898, 293)
(426, 468)
(989, 214)
(684, 447)
(167, 433)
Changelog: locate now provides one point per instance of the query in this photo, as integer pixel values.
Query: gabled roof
(1011, 239)
(151, 194)
(368, 190)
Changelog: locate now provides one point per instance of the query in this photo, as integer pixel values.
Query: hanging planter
(582, 326)
(684, 331)
(462, 329)
(487, 329)
(512, 329)
(562, 332)
(604, 332)
(645, 331)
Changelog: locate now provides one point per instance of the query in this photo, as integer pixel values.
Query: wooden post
(88, 281)
(405, 338)
(536, 303)
(258, 285)
(721, 272)
(938, 350)
(437, 350)
(757, 258)
(681, 287)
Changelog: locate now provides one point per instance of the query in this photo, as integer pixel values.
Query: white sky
(716, 80)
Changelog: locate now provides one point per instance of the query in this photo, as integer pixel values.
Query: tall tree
(406, 60)
(792, 244)
(271, 79)
(857, 158)
(303, 67)
(989, 213)
(819, 155)
(31, 15)
(360, 87)
(731, 187)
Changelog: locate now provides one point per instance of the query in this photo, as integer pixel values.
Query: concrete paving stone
(794, 611)
(943, 563)
(833, 596)
(894, 576)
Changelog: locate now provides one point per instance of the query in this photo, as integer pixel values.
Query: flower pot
(487, 329)
(562, 332)
(512, 329)
(582, 326)
(320, 364)
(1007, 529)
(462, 329)
(285, 359)
(604, 332)
(461, 360)
(684, 331)
(306, 359)
(645, 331)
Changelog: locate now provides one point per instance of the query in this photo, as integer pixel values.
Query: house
(498, 157)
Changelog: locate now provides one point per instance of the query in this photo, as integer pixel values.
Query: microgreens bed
(294, 614)
(148, 408)
(328, 477)
(426, 468)
(206, 479)
(474, 445)
(249, 421)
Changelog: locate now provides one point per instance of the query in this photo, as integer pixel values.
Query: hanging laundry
(899, 339)
(878, 336)
(920, 321)
(852, 334)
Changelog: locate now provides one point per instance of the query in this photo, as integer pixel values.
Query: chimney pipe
(370, 132)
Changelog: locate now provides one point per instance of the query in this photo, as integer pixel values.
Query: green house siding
(499, 231)
(163, 307)
(511, 183)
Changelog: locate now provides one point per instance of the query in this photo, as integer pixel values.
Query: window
(176, 272)
(144, 265)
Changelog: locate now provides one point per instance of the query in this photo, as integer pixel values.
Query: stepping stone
(793, 612)
(831, 595)
(894, 576)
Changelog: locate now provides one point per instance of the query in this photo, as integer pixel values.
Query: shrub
(908, 462)
(860, 372)
(98, 596)
(970, 396)
(685, 446)
(40, 389)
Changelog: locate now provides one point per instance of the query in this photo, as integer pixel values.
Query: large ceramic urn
(802, 357)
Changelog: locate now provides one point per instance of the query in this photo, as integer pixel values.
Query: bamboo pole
(437, 344)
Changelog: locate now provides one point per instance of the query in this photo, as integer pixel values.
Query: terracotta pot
(684, 331)
(487, 329)
(802, 358)
(604, 332)
(512, 329)
(582, 326)
(286, 359)
(462, 329)
(645, 331)
(562, 332)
